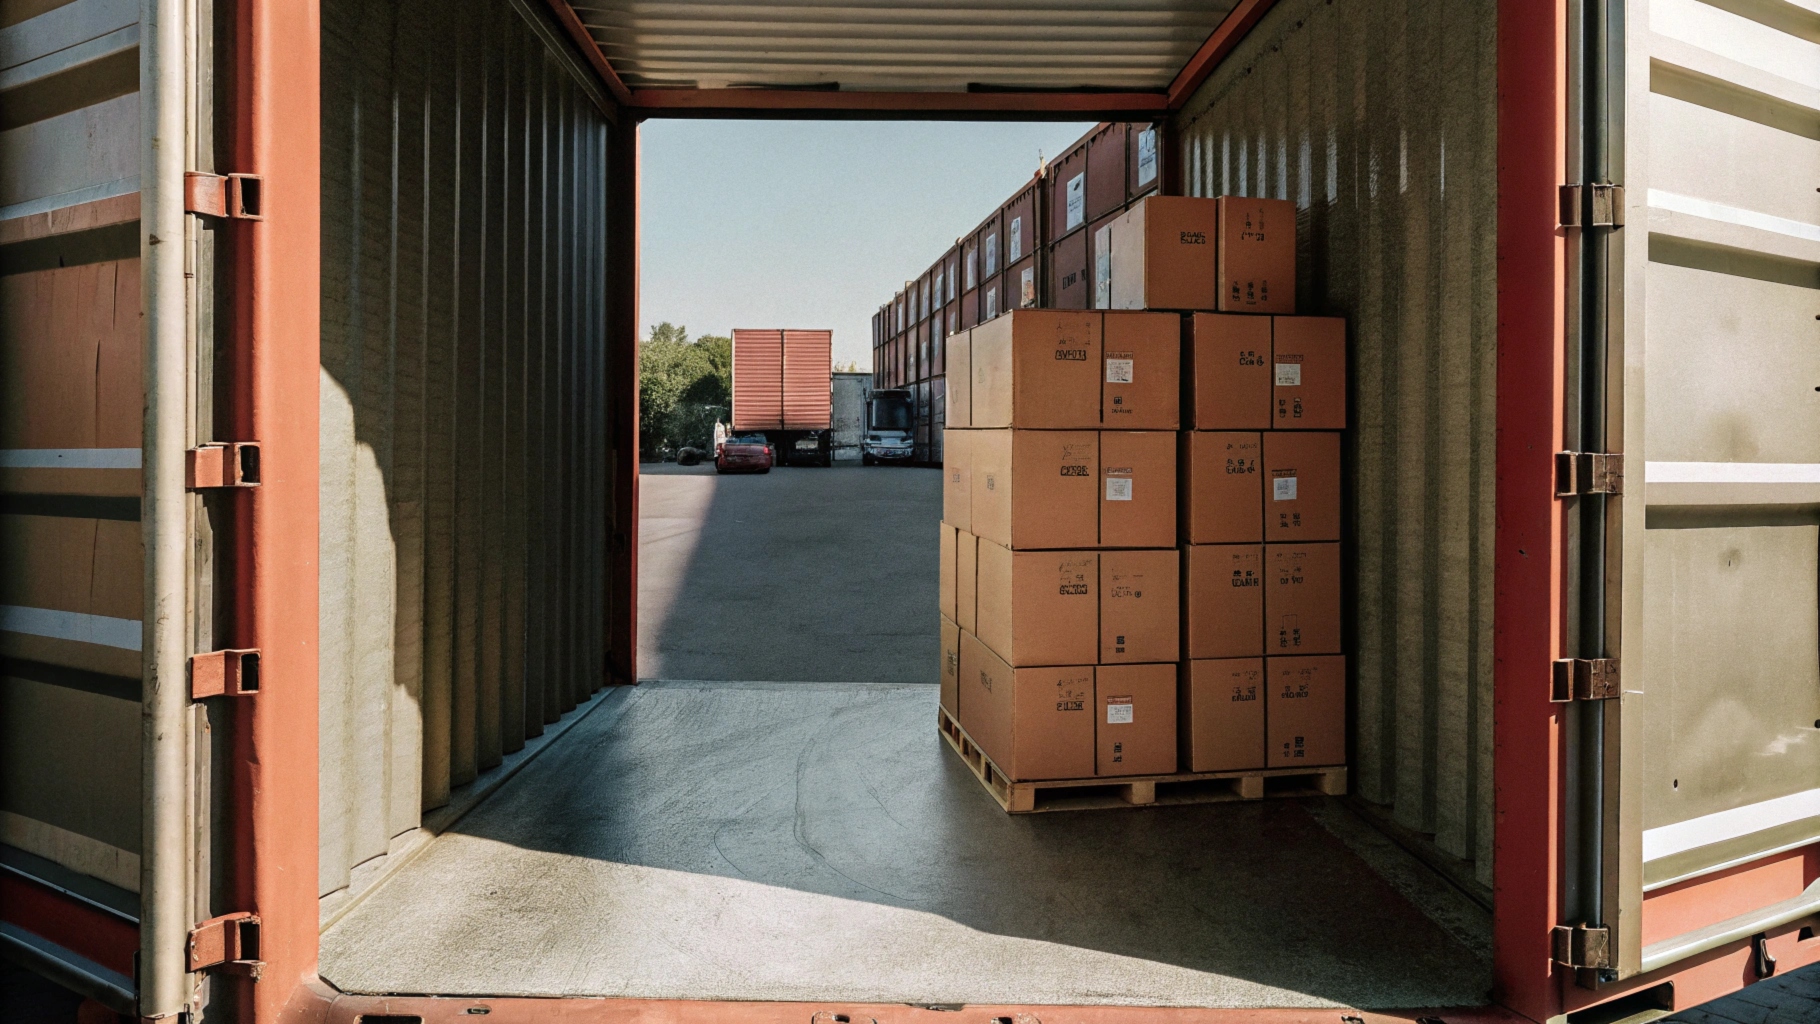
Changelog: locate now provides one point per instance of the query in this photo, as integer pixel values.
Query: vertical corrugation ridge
(1378, 119)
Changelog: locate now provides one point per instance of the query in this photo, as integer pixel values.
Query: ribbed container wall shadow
(1378, 118)
(464, 490)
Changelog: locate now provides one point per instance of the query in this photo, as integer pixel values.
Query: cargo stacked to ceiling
(1140, 546)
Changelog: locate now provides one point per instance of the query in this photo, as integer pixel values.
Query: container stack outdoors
(1141, 525)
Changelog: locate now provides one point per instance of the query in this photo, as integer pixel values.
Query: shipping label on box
(1137, 722)
(1303, 502)
(1143, 357)
(1137, 508)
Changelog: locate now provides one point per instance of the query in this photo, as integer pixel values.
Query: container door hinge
(239, 196)
(1588, 473)
(1592, 206)
(1585, 679)
(228, 464)
(232, 673)
(1582, 946)
(229, 943)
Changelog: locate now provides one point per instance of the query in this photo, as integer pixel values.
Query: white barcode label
(1118, 488)
(1077, 201)
(1118, 371)
(1283, 488)
(1289, 375)
(1118, 710)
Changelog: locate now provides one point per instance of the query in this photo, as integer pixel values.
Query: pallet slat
(1138, 791)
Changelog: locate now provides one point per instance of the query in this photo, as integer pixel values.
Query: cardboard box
(1036, 488)
(958, 377)
(1308, 365)
(1037, 369)
(1039, 607)
(945, 572)
(1302, 486)
(1305, 711)
(1034, 723)
(1135, 727)
(1142, 386)
(1226, 358)
(1222, 601)
(957, 478)
(1222, 715)
(1161, 254)
(951, 666)
(1302, 598)
(1140, 600)
(966, 580)
(1222, 487)
(1256, 255)
(1137, 496)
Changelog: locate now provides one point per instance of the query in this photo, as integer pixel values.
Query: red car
(745, 453)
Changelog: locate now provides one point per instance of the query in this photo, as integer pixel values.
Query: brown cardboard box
(1039, 607)
(1034, 723)
(1137, 499)
(1222, 487)
(951, 666)
(1222, 715)
(957, 478)
(958, 375)
(1142, 387)
(1135, 727)
(1037, 369)
(1227, 361)
(1302, 598)
(945, 573)
(1301, 486)
(1309, 373)
(1162, 254)
(1305, 711)
(1036, 488)
(1256, 255)
(1223, 601)
(966, 580)
(1140, 598)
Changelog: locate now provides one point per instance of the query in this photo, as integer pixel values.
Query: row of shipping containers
(1034, 251)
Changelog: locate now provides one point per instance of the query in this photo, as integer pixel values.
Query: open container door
(1693, 750)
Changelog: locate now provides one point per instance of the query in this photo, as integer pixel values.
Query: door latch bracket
(229, 943)
(1588, 473)
(1585, 679)
(227, 673)
(1582, 946)
(225, 464)
(236, 196)
(1592, 206)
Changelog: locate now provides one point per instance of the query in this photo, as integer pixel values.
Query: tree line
(684, 386)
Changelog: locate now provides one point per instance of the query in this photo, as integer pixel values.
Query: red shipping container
(808, 370)
(1106, 170)
(758, 379)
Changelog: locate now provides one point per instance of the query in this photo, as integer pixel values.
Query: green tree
(684, 386)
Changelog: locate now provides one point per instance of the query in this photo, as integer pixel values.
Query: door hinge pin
(236, 196)
(1588, 473)
(1585, 679)
(227, 464)
(1582, 946)
(229, 943)
(1592, 206)
(228, 673)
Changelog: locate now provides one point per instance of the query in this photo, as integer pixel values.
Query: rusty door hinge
(239, 196)
(1582, 946)
(1585, 679)
(229, 943)
(227, 464)
(1592, 206)
(1588, 473)
(229, 673)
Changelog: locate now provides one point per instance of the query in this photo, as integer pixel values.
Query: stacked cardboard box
(1141, 512)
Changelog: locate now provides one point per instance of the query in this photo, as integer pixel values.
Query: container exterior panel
(1021, 233)
(758, 379)
(808, 374)
(463, 435)
(1378, 120)
(1106, 150)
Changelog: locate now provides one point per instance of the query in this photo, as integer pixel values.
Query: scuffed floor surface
(818, 841)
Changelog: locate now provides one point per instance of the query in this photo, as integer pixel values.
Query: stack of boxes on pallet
(1141, 513)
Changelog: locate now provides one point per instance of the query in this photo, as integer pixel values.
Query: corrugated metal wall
(464, 433)
(1378, 118)
(71, 415)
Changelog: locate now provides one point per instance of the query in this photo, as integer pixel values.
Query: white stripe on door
(126, 634)
(1720, 826)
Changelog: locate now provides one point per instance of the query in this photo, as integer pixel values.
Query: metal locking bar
(1588, 473)
(227, 464)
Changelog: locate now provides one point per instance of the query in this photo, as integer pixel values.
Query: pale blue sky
(815, 223)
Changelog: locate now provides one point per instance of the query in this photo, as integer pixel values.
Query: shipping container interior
(769, 814)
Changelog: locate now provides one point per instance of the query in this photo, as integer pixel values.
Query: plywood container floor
(816, 841)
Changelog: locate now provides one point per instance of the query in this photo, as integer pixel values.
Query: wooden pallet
(1136, 790)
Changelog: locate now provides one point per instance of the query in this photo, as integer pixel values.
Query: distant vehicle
(851, 390)
(743, 453)
(782, 382)
(890, 427)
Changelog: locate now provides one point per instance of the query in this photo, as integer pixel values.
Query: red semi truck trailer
(782, 389)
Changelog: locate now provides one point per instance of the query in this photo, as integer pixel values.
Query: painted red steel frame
(1231, 30)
